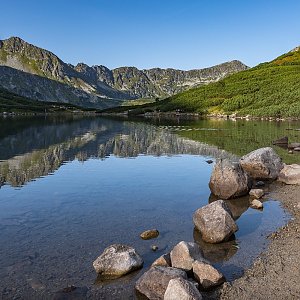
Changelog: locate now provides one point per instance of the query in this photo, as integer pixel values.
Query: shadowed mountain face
(93, 86)
(35, 149)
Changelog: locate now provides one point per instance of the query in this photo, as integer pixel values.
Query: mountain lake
(71, 186)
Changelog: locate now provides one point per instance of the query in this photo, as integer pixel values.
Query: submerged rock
(228, 180)
(154, 282)
(216, 253)
(184, 254)
(259, 184)
(256, 204)
(207, 275)
(117, 260)
(181, 289)
(215, 222)
(290, 174)
(164, 261)
(263, 163)
(71, 293)
(256, 193)
(149, 234)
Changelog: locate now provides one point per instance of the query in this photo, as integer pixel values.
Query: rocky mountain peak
(93, 83)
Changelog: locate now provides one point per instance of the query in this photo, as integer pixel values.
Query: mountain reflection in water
(35, 151)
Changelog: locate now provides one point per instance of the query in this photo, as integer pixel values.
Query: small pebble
(154, 248)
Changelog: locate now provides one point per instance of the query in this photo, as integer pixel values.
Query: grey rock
(207, 275)
(293, 145)
(164, 261)
(256, 204)
(259, 183)
(117, 260)
(184, 254)
(181, 289)
(282, 141)
(215, 222)
(256, 193)
(263, 163)
(154, 282)
(228, 180)
(290, 174)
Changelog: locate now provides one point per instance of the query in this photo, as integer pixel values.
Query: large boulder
(181, 289)
(154, 282)
(263, 163)
(184, 254)
(228, 180)
(290, 174)
(207, 275)
(215, 222)
(117, 260)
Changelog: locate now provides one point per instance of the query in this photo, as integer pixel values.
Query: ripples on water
(69, 190)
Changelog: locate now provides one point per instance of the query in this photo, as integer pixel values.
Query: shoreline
(196, 116)
(275, 273)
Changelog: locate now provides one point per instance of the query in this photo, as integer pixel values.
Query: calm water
(72, 186)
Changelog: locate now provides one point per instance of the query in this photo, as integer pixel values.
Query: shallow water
(71, 187)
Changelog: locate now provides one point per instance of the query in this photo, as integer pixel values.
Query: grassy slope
(270, 89)
(10, 102)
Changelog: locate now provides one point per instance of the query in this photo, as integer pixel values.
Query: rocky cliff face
(94, 85)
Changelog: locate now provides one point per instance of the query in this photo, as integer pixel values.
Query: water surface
(73, 186)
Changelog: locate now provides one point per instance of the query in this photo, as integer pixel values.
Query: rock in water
(164, 261)
(256, 193)
(282, 141)
(259, 184)
(215, 222)
(290, 174)
(153, 283)
(117, 260)
(293, 145)
(181, 289)
(149, 234)
(184, 254)
(263, 163)
(228, 180)
(256, 204)
(207, 275)
(154, 247)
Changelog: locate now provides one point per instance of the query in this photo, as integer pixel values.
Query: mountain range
(35, 73)
(269, 89)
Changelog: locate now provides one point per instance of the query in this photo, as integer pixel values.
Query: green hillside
(10, 102)
(270, 89)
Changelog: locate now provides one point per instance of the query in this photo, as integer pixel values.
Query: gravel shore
(276, 273)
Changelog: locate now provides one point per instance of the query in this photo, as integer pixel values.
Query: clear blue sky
(183, 34)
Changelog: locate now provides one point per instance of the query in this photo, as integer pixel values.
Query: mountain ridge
(271, 89)
(94, 84)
